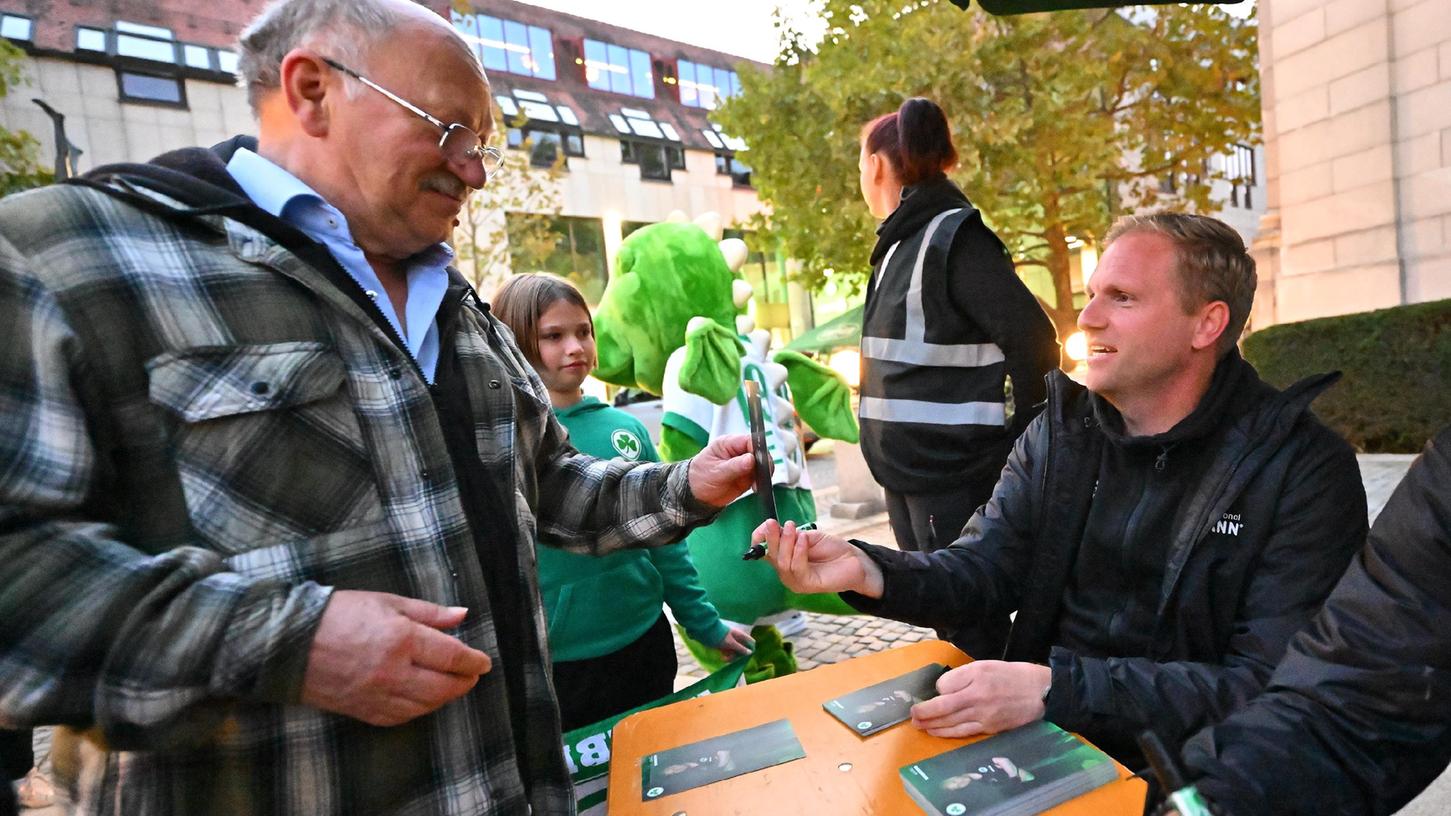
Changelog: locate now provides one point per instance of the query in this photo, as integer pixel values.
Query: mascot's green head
(665, 275)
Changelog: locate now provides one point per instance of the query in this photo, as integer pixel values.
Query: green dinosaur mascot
(672, 322)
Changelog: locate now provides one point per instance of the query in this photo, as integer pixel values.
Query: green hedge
(1396, 392)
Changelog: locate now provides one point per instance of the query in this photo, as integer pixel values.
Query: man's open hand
(813, 561)
(381, 658)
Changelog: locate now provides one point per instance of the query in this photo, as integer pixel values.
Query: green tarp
(839, 332)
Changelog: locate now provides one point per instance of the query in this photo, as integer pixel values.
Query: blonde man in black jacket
(1160, 534)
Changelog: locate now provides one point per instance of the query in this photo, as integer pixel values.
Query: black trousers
(600, 687)
(15, 762)
(931, 521)
(16, 758)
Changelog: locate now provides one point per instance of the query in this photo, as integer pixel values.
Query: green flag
(587, 749)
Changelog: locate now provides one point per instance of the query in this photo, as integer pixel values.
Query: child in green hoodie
(612, 645)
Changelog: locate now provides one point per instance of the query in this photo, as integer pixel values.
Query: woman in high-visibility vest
(954, 347)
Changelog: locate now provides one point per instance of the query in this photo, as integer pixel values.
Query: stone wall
(1357, 107)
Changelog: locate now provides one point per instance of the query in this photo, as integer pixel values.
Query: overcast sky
(740, 27)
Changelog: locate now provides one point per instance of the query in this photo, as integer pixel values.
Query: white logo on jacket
(1230, 524)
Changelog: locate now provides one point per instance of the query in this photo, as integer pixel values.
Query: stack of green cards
(887, 703)
(1023, 771)
(707, 761)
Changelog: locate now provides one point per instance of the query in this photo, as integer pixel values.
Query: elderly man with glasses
(271, 475)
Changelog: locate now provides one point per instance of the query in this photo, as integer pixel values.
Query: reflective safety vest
(933, 381)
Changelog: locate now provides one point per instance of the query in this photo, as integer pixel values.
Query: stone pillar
(1266, 247)
(1357, 115)
(858, 494)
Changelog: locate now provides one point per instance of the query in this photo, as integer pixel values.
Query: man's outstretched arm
(954, 588)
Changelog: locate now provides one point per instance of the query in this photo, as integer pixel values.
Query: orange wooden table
(841, 773)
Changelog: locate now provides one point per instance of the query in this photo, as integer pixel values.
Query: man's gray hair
(345, 27)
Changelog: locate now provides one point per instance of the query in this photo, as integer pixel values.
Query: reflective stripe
(933, 413)
(913, 348)
(882, 270)
(916, 319)
(966, 355)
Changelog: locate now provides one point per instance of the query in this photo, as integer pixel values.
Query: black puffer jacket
(1231, 596)
(1357, 719)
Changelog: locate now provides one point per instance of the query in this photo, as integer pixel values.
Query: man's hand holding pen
(813, 561)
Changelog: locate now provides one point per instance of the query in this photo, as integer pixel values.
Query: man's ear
(305, 86)
(1213, 320)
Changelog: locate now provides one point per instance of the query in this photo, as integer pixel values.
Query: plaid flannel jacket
(202, 438)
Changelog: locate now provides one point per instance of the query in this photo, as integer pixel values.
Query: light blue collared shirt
(287, 197)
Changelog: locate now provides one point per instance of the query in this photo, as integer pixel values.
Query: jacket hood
(920, 203)
(195, 175)
(584, 406)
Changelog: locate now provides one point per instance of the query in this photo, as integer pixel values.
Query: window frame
(693, 69)
(632, 59)
(8, 16)
(534, 39)
(517, 136)
(672, 157)
(180, 103)
(725, 165)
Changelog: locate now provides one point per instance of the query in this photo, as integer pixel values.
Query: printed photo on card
(717, 758)
(883, 705)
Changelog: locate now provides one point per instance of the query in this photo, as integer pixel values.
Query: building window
(156, 89)
(90, 39)
(621, 70)
(577, 255)
(16, 27)
(545, 145)
(195, 56)
(628, 227)
(702, 86)
(504, 45)
(656, 160)
(145, 43)
(726, 164)
(1240, 167)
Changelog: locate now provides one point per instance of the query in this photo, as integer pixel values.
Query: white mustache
(444, 183)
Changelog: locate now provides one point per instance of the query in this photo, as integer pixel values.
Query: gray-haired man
(271, 475)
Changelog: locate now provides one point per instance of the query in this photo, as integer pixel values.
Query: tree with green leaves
(511, 220)
(1063, 121)
(20, 168)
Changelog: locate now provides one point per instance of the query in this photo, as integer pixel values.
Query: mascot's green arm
(712, 365)
(822, 397)
(676, 445)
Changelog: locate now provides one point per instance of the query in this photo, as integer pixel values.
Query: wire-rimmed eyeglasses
(458, 143)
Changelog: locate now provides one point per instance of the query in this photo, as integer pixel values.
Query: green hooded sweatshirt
(596, 606)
